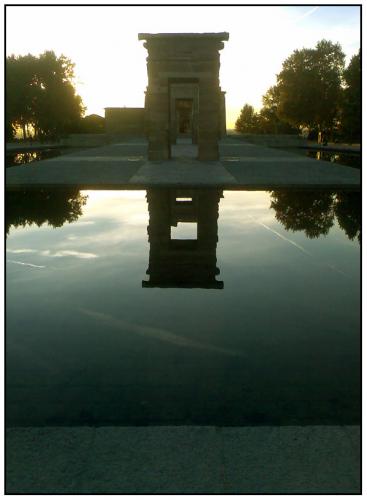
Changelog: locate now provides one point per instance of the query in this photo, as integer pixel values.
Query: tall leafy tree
(21, 92)
(309, 86)
(40, 92)
(269, 121)
(58, 108)
(247, 122)
(352, 105)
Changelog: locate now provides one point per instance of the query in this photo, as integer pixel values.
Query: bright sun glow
(111, 62)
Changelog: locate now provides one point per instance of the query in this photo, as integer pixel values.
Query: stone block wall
(125, 121)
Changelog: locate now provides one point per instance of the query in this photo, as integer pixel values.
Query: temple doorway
(184, 113)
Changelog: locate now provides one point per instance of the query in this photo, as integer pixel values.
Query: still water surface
(24, 157)
(183, 307)
(347, 159)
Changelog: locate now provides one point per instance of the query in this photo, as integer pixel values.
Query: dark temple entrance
(184, 112)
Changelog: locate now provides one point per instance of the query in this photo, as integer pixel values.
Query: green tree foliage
(21, 92)
(92, 124)
(269, 121)
(52, 207)
(315, 212)
(351, 108)
(309, 86)
(304, 211)
(40, 94)
(247, 122)
(348, 211)
(308, 93)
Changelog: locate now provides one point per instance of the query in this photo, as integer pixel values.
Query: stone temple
(183, 97)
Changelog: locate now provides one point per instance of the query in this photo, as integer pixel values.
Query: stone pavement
(174, 459)
(125, 165)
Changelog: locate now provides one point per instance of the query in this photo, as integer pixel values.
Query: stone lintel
(224, 36)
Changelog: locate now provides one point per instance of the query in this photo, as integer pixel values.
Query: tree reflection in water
(54, 207)
(314, 212)
(348, 211)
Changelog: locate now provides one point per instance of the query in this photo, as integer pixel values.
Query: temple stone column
(208, 129)
(222, 114)
(176, 60)
(157, 121)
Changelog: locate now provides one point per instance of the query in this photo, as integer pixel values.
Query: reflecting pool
(25, 157)
(173, 306)
(347, 159)
(16, 158)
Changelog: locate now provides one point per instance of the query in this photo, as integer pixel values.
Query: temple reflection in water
(183, 263)
(312, 212)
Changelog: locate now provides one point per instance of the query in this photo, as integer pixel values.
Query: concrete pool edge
(239, 166)
(188, 185)
(183, 459)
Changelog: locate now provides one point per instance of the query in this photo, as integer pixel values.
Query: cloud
(69, 253)
(21, 250)
(59, 253)
(306, 14)
(28, 264)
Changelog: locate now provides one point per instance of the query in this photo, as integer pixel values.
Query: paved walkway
(125, 165)
(288, 459)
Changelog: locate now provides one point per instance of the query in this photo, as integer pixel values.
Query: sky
(110, 62)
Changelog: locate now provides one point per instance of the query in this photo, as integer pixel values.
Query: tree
(269, 121)
(351, 107)
(40, 93)
(305, 211)
(309, 86)
(92, 124)
(52, 207)
(315, 212)
(58, 108)
(247, 122)
(348, 211)
(20, 93)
